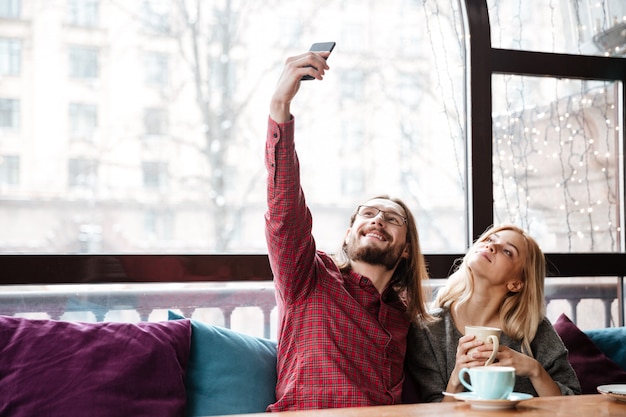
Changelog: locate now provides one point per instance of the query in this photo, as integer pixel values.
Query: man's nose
(381, 215)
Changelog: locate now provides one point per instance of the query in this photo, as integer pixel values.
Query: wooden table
(580, 405)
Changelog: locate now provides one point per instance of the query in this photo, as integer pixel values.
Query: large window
(473, 112)
(389, 118)
(556, 161)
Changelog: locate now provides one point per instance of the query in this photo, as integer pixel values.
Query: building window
(9, 170)
(291, 30)
(10, 56)
(83, 120)
(154, 174)
(90, 238)
(155, 121)
(9, 113)
(83, 62)
(155, 16)
(10, 9)
(353, 84)
(156, 67)
(223, 75)
(158, 225)
(82, 173)
(353, 134)
(82, 12)
(352, 182)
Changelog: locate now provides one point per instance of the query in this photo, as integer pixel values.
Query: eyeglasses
(388, 216)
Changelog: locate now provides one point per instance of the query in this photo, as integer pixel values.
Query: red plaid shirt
(340, 342)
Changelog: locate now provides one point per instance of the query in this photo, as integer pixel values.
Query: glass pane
(586, 27)
(389, 117)
(556, 149)
(590, 302)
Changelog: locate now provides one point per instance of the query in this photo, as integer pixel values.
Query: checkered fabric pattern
(341, 343)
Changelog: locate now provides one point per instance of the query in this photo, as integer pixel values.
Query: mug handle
(462, 374)
(496, 345)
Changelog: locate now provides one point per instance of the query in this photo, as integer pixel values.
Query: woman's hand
(524, 365)
(528, 367)
(464, 359)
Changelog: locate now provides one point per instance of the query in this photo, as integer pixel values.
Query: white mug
(487, 335)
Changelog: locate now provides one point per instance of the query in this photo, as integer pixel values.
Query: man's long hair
(409, 276)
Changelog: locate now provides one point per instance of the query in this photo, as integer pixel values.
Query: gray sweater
(431, 355)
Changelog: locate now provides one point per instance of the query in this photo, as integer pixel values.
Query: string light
(573, 132)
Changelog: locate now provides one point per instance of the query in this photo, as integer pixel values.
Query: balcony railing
(62, 301)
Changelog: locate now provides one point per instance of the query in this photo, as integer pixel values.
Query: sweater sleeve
(427, 358)
(551, 353)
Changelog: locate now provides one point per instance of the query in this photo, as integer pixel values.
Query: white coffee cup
(489, 382)
(489, 335)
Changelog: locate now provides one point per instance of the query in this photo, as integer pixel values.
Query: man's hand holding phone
(289, 82)
(319, 47)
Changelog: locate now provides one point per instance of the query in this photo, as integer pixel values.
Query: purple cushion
(56, 368)
(591, 365)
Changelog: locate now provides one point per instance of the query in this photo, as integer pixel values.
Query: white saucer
(481, 404)
(617, 391)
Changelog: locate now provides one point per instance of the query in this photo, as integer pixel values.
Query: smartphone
(319, 47)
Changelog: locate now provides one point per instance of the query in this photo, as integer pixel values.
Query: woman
(499, 283)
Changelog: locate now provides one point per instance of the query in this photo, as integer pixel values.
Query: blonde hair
(521, 312)
(408, 277)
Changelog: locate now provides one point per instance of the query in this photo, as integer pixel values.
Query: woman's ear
(515, 286)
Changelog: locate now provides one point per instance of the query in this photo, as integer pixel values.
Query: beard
(387, 258)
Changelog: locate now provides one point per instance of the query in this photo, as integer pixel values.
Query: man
(343, 322)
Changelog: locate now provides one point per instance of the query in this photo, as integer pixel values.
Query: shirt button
(275, 135)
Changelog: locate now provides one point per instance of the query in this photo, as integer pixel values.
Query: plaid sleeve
(288, 222)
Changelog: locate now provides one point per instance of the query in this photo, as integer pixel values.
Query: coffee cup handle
(496, 345)
(462, 374)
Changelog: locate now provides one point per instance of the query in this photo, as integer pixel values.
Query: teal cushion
(229, 372)
(611, 341)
